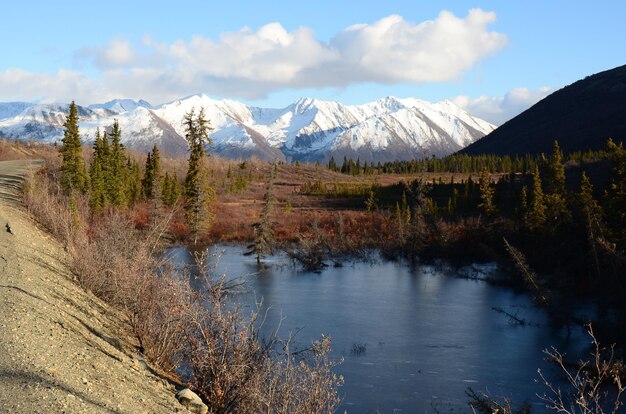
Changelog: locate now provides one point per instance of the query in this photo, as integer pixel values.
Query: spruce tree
(156, 172)
(151, 183)
(171, 190)
(405, 209)
(263, 229)
(523, 209)
(175, 190)
(556, 197)
(332, 165)
(587, 202)
(98, 174)
(371, 203)
(117, 167)
(592, 217)
(537, 212)
(486, 194)
(165, 189)
(131, 182)
(146, 182)
(200, 195)
(616, 194)
(557, 171)
(73, 173)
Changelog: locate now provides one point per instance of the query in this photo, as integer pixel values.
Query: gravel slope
(60, 348)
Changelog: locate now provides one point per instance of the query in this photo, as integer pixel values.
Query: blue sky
(494, 58)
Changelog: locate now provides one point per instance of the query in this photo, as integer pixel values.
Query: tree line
(570, 231)
(457, 163)
(115, 179)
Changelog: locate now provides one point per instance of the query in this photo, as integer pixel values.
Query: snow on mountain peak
(308, 129)
(11, 109)
(121, 105)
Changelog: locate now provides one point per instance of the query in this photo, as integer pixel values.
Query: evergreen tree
(587, 201)
(404, 209)
(171, 190)
(117, 167)
(73, 173)
(165, 188)
(152, 179)
(106, 149)
(617, 155)
(263, 229)
(537, 212)
(486, 194)
(556, 197)
(200, 195)
(616, 195)
(98, 174)
(371, 203)
(523, 210)
(131, 179)
(175, 190)
(344, 166)
(332, 165)
(148, 177)
(592, 217)
(455, 198)
(166, 193)
(401, 224)
(557, 171)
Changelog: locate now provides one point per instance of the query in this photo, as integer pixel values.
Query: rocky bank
(61, 349)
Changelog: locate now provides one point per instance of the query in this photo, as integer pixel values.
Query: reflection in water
(422, 335)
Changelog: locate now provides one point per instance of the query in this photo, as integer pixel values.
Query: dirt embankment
(61, 349)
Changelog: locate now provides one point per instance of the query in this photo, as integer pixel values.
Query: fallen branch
(513, 318)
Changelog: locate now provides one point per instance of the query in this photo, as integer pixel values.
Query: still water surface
(423, 335)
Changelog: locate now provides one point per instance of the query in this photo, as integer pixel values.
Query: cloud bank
(251, 64)
(499, 109)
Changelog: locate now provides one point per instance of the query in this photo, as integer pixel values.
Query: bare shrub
(236, 372)
(596, 385)
(44, 200)
(111, 259)
(485, 404)
(174, 324)
(302, 386)
(158, 319)
(312, 249)
(224, 353)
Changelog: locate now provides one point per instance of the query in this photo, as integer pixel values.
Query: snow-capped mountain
(118, 106)
(309, 129)
(41, 122)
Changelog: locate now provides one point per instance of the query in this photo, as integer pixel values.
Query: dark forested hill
(580, 116)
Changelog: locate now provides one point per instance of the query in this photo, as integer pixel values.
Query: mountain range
(306, 130)
(581, 116)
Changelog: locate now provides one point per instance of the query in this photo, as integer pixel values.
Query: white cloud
(499, 109)
(250, 64)
(115, 53)
(62, 86)
(393, 50)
